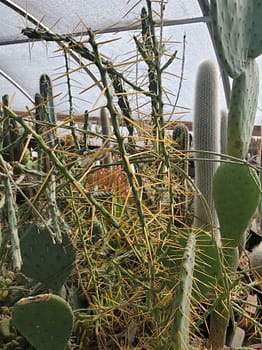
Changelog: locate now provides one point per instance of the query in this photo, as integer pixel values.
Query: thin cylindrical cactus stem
(85, 134)
(182, 297)
(105, 126)
(12, 217)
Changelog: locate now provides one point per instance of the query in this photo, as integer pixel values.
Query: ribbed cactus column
(206, 137)
(181, 138)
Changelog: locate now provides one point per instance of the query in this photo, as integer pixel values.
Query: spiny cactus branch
(12, 216)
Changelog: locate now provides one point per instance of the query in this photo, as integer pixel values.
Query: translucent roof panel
(66, 16)
(24, 62)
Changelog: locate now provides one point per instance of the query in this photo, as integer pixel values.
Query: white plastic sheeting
(24, 62)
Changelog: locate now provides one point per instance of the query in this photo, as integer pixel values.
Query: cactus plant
(45, 320)
(206, 130)
(231, 30)
(181, 138)
(236, 196)
(242, 110)
(43, 259)
(46, 91)
(182, 297)
(255, 45)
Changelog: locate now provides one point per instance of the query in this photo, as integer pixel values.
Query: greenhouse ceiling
(115, 22)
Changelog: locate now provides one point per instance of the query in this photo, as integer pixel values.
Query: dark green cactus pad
(45, 320)
(236, 190)
(242, 110)
(43, 259)
(255, 44)
(231, 23)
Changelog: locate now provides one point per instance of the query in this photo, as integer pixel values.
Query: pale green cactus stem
(236, 194)
(46, 321)
(11, 214)
(231, 30)
(181, 307)
(46, 92)
(236, 186)
(242, 110)
(255, 43)
(105, 126)
(206, 136)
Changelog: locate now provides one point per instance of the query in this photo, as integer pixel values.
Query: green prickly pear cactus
(45, 320)
(236, 190)
(231, 30)
(255, 44)
(242, 110)
(45, 260)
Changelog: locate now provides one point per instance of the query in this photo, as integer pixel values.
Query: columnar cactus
(46, 91)
(181, 138)
(206, 131)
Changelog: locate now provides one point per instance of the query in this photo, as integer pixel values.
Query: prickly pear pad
(45, 320)
(231, 29)
(242, 110)
(43, 259)
(236, 193)
(255, 45)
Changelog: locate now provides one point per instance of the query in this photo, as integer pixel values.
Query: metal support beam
(24, 13)
(18, 86)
